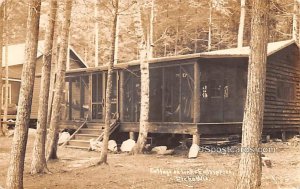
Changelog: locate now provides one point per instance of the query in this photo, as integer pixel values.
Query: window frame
(285, 96)
(9, 93)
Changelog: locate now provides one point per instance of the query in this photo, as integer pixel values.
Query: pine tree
(38, 164)
(52, 140)
(16, 164)
(249, 175)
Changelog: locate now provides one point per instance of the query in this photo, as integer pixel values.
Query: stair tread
(85, 141)
(92, 135)
(78, 147)
(90, 129)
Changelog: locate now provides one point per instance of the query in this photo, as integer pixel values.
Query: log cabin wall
(282, 100)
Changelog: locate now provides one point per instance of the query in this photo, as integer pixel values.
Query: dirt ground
(209, 170)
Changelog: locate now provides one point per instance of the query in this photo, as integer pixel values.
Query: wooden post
(103, 90)
(90, 96)
(70, 99)
(197, 91)
(163, 94)
(283, 136)
(122, 94)
(131, 135)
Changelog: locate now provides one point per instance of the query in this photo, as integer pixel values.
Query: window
(226, 89)
(204, 93)
(285, 90)
(3, 94)
(216, 88)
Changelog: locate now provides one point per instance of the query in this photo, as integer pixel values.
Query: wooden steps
(85, 136)
(90, 130)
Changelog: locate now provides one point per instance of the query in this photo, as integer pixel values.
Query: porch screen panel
(172, 94)
(187, 90)
(132, 97)
(85, 96)
(156, 84)
(75, 93)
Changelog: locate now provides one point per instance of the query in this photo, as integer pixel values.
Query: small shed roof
(16, 54)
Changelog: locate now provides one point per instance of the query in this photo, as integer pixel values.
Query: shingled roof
(245, 51)
(232, 52)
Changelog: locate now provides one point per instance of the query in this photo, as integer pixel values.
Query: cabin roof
(16, 54)
(226, 53)
(245, 51)
(232, 52)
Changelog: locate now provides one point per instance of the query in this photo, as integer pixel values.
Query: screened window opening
(285, 90)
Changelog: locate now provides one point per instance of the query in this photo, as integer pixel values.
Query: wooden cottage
(192, 94)
(15, 64)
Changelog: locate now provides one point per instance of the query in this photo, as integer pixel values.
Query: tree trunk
(60, 83)
(54, 59)
(144, 67)
(250, 164)
(103, 155)
(16, 164)
(2, 129)
(38, 164)
(151, 33)
(97, 18)
(116, 40)
(6, 69)
(209, 26)
(177, 35)
(295, 19)
(242, 24)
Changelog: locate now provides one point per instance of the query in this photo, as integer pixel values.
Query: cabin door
(98, 96)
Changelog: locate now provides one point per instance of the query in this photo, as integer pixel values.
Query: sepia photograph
(145, 94)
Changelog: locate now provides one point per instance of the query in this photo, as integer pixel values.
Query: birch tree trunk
(97, 18)
(6, 69)
(16, 164)
(151, 32)
(144, 67)
(60, 83)
(2, 130)
(209, 26)
(249, 175)
(241, 24)
(295, 19)
(38, 164)
(103, 155)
